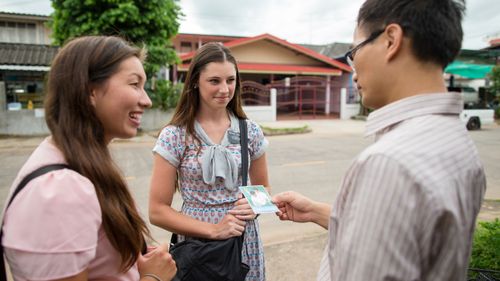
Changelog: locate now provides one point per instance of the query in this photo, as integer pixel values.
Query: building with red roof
(307, 81)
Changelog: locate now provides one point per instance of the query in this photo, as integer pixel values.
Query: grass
(285, 131)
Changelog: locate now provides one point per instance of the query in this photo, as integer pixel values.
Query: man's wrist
(321, 214)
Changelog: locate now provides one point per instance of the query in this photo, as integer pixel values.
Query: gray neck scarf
(217, 160)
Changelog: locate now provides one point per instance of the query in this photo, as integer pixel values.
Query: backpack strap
(36, 173)
(244, 151)
(244, 165)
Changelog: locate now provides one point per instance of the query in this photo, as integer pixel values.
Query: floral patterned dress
(211, 202)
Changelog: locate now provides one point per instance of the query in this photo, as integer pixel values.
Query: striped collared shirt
(407, 206)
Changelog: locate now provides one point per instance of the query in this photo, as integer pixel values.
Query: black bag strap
(244, 151)
(244, 164)
(36, 173)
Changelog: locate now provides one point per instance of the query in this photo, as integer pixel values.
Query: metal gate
(302, 97)
(254, 94)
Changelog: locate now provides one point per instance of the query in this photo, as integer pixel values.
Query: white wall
(263, 113)
(32, 122)
(347, 110)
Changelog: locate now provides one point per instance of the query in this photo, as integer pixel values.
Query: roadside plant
(165, 94)
(486, 246)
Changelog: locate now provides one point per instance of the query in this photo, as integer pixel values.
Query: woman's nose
(224, 87)
(145, 101)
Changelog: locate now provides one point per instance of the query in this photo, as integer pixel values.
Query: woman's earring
(195, 86)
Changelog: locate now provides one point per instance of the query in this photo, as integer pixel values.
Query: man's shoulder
(427, 148)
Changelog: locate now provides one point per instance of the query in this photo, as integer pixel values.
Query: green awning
(469, 70)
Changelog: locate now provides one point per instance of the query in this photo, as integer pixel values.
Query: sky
(297, 21)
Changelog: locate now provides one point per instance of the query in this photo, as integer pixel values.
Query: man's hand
(296, 207)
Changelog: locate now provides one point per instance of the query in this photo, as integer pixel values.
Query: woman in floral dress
(199, 152)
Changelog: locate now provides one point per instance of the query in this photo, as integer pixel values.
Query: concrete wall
(155, 119)
(263, 113)
(265, 51)
(23, 123)
(347, 110)
(32, 122)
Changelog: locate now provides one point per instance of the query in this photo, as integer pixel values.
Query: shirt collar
(407, 108)
(204, 137)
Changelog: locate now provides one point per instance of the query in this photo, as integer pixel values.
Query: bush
(285, 131)
(166, 94)
(486, 246)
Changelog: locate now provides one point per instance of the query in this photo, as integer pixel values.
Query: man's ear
(394, 40)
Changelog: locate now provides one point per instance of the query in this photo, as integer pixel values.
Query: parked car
(475, 118)
(476, 112)
(469, 95)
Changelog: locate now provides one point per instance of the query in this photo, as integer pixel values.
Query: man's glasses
(351, 53)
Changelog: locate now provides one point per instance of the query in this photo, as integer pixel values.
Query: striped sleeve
(377, 236)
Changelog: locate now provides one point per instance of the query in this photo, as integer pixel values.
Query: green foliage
(166, 94)
(285, 131)
(486, 246)
(495, 80)
(150, 23)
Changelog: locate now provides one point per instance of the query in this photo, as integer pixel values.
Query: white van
(475, 118)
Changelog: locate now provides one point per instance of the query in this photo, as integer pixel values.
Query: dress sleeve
(170, 145)
(257, 143)
(51, 228)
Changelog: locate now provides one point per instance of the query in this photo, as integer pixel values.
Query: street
(311, 163)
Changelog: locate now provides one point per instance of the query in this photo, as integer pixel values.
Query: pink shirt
(53, 227)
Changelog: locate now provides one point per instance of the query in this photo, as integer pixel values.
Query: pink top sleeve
(51, 228)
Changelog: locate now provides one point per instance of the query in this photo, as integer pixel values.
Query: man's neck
(415, 80)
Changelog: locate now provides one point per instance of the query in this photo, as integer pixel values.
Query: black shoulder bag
(36, 173)
(213, 260)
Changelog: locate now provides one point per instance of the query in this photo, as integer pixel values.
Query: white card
(259, 199)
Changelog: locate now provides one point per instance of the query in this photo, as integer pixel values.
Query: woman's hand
(158, 262)
(242, 209)
(228, 227)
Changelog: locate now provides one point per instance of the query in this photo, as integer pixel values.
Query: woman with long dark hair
(81, 223)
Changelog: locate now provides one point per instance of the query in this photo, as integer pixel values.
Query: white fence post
(343, 104)
(273, 103)
(347, 110)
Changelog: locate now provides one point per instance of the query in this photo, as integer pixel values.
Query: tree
(148, 22)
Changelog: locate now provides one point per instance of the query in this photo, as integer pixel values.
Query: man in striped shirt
(407, 205)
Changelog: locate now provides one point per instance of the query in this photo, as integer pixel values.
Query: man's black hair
(434, 26)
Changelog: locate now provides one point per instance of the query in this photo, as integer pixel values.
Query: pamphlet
(259, 199)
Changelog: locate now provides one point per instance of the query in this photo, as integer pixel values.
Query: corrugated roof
(333, 50)
(13, 14)
(26, 54)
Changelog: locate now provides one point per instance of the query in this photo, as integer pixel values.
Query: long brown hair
(81, 64)
(189, 102)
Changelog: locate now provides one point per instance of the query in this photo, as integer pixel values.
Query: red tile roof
(284, 43)
(280, 68)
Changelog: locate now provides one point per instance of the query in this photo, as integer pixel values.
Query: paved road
(310, 163)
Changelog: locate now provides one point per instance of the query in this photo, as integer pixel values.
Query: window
(186, 47)
(17, 32)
